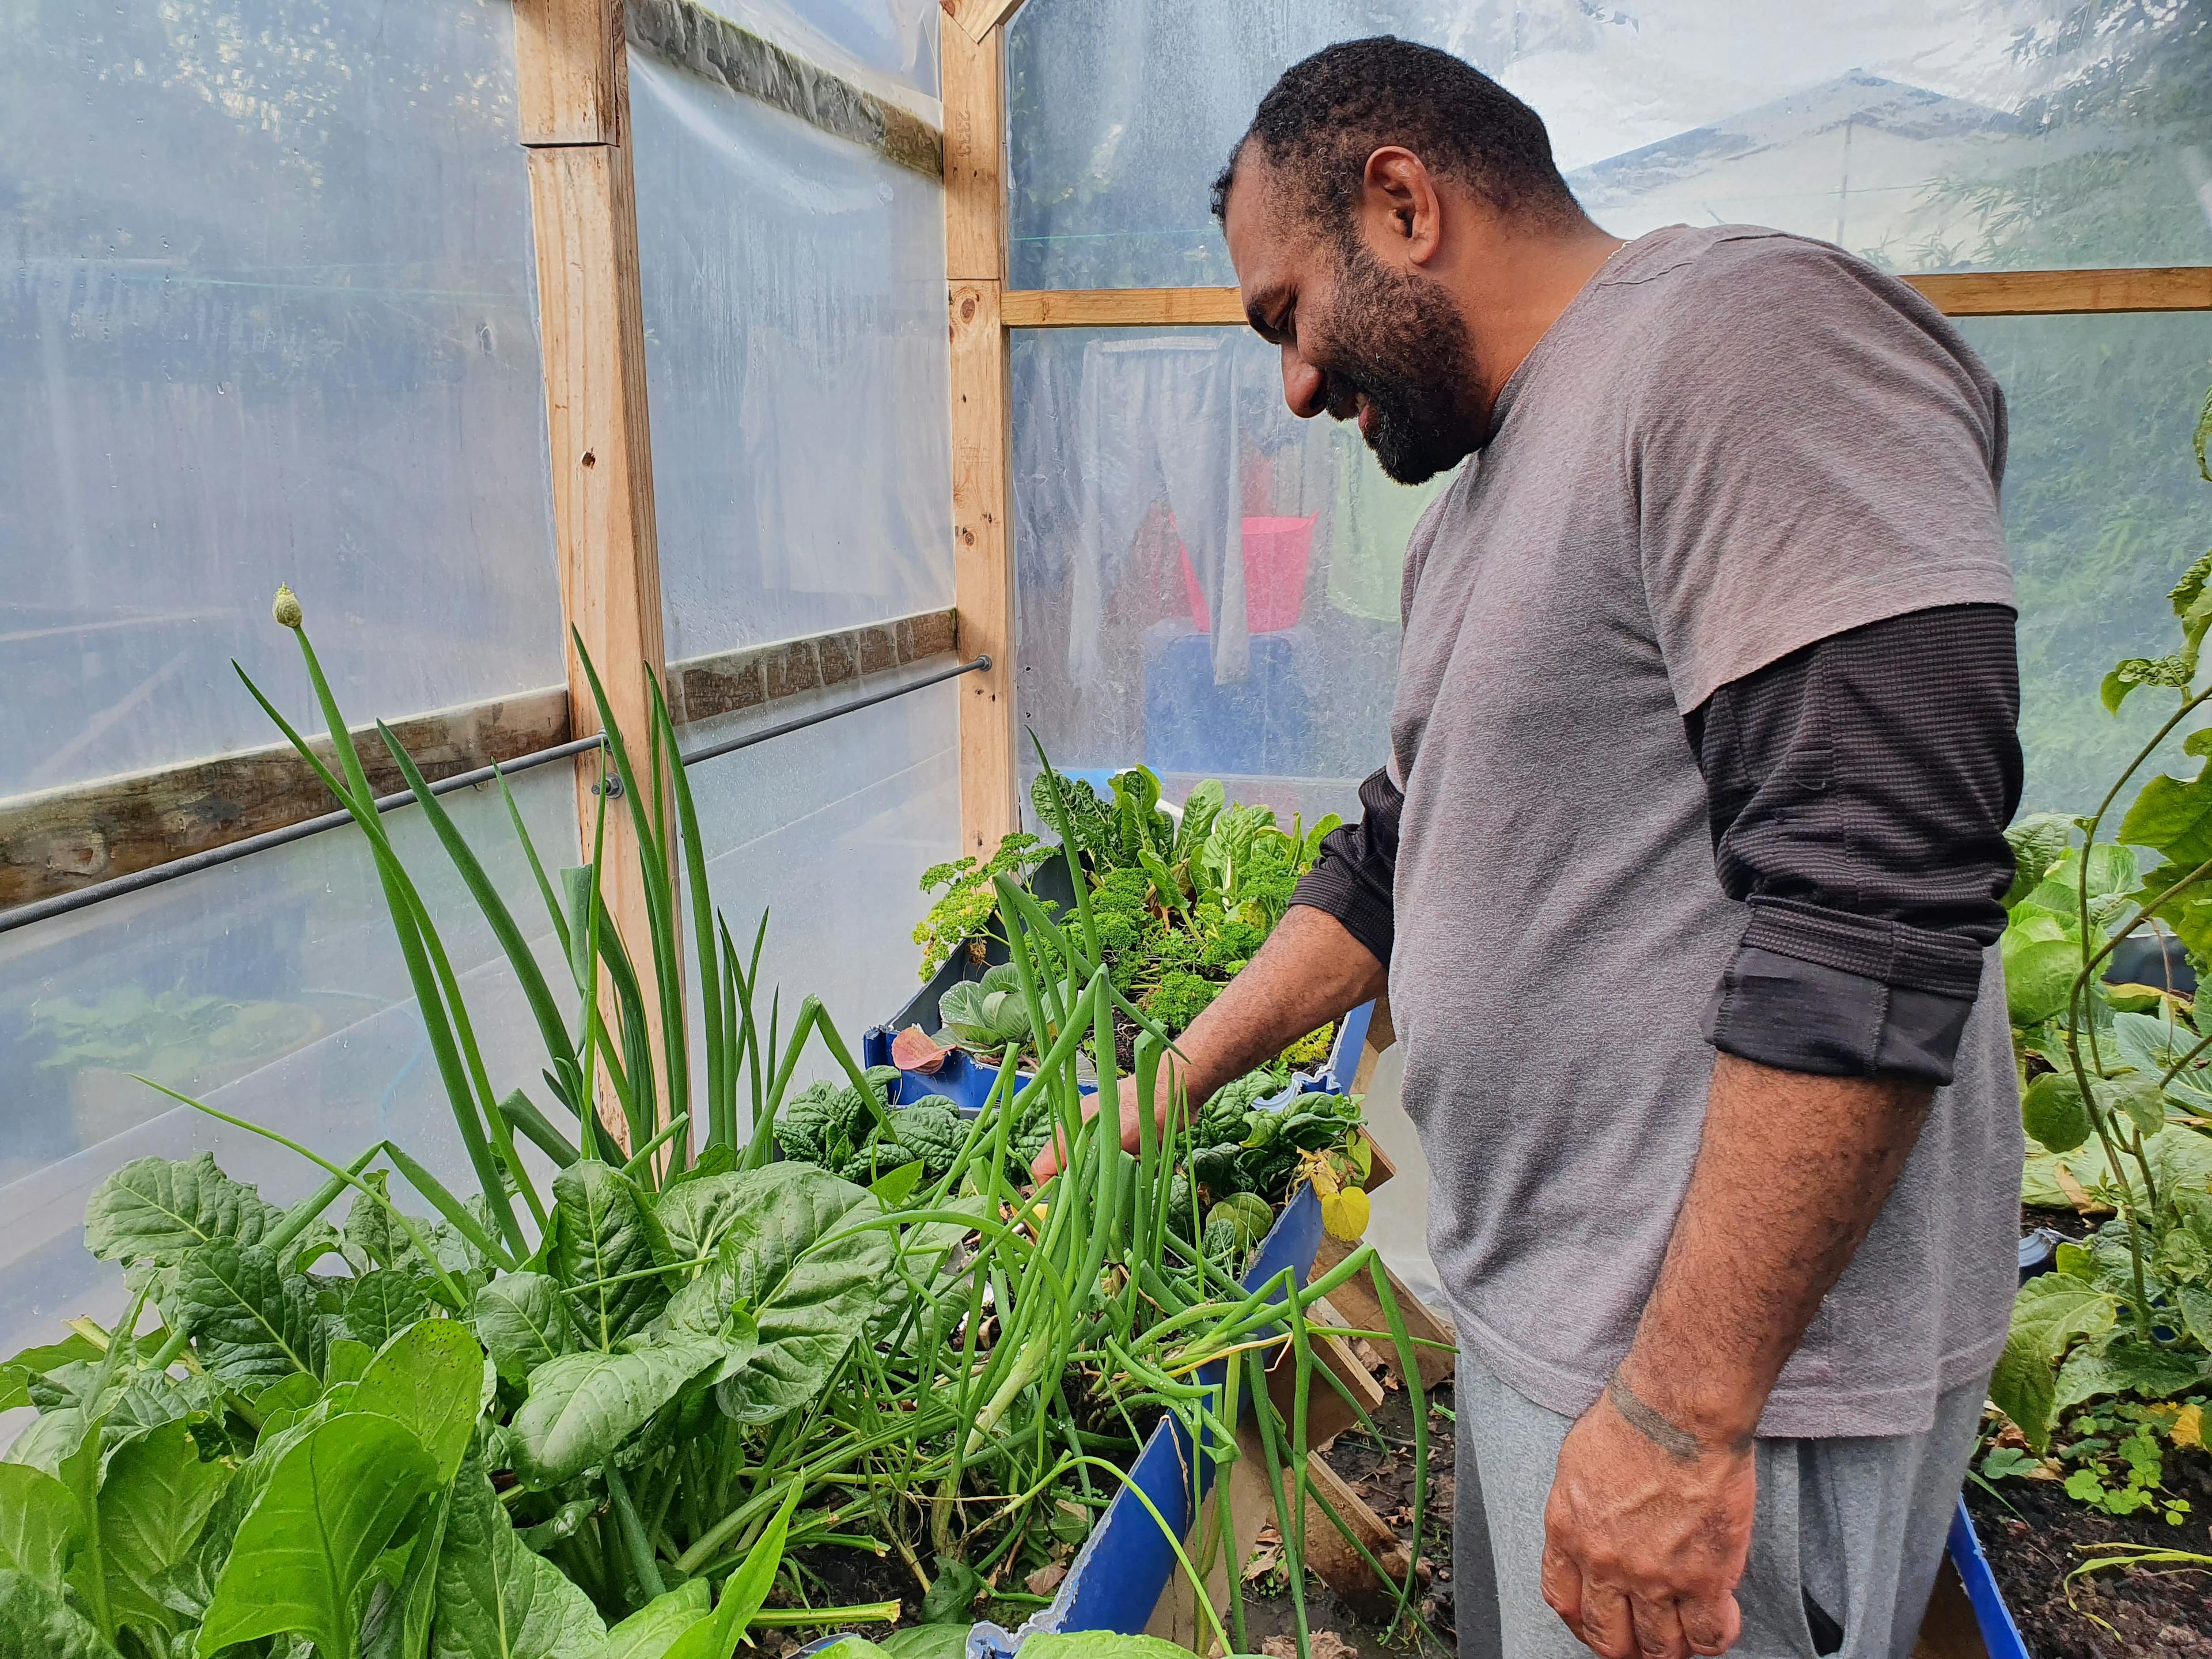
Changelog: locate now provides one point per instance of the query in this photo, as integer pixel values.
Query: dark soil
(2071, 1223)
(2033, 1532)
(1381, 1473)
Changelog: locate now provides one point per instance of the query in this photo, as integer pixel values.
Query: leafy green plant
(968, 901)
(2116, 1088)
(987, 1013)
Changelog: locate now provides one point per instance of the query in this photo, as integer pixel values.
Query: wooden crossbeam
(1967, 294)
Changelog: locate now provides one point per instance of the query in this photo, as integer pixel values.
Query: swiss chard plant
(2110, 1354)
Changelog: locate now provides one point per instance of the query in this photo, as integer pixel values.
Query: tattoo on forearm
(1678, 1443)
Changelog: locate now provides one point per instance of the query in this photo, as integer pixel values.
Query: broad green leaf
(496, 1600)
(2051, 1109)
(810, 1280)
(2179, 1157)
(2040, 978)
(2146, 1042)
(2126, 1365)
(2051, 1312)
(696, 1213)
(251, 1322)
(928, 1641)
(2196, 1304)
(650, 1631)
(522, 1322)
(159, 1210)
(606, 1242)
(40, 1524)
(304, 1554)
(2037, 842)
(582, 1406)
(153, 1501)
(345, 1362)
(36, 1622)
(2136, 1098)
(743, 1592)
(2111, 870)
(430, 1380)
(2172, 816)
(397, 1626)
(382, 1304)
(894, 1187)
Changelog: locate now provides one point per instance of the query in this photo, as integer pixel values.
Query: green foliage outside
(2110, 1356)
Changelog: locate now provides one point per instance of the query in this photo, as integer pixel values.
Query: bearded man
(1682, 872)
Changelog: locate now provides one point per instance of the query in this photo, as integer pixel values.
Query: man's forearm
(1311, 970)
(1791, 1172)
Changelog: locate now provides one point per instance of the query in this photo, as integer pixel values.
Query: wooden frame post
(983, 510)
(573, 75)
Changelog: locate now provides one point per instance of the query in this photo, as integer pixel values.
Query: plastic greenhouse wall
(272, 988)
(1205, 582)
(270, 316)
(888, 47)
(797, 365)
(1955, 134)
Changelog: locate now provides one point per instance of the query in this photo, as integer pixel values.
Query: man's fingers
(1710, 1625)
(1561, 1581)
(1658, 1628)
(1607, 1630)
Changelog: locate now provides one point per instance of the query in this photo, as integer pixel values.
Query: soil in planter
(2033, 1532)
(1381, 1473)
(2070, 1223)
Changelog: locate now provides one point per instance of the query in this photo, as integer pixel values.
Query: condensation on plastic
(888, 47)
(830, 830)
(2104, 511)
(270, 316)
(272, 988)
(1945, 134)
(1136, 453)
(797, 360)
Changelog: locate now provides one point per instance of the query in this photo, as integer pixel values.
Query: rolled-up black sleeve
(1352, 880)
(1858, 791)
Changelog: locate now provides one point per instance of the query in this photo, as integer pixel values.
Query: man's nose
(1305, 388)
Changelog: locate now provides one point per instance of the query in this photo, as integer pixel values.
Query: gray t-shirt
(1733, 443)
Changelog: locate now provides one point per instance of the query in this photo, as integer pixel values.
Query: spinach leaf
(496, 1600)
(382, 1304)
(521, 1321)
(696, 1214)
(650, 1631)
(251, 1322)
(35, 1620)
(583, 1405)
(809, 1281)
(605, 1243)
(153, 1501)
(159, 1210)
(430, 1381)
(40, 1524)
(305, 1553)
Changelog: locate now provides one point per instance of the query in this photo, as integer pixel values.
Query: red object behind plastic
(1276, 553)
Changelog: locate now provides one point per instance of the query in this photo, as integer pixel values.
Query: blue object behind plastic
(1261, 725)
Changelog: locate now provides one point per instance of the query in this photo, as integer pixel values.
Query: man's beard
(1404, 349)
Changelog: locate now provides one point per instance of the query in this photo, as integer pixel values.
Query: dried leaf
(2076, 1195)
(2189, 1426)
(1046, 1579)
(912, 1050)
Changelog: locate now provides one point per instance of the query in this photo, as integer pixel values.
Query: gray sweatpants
(1855, 1525)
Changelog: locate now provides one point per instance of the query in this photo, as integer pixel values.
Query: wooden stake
(975, 263)
(574, 80)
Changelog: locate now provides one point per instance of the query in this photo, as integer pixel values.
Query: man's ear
(1402, 206)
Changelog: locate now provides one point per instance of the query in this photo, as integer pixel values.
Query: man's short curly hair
(1329, 113)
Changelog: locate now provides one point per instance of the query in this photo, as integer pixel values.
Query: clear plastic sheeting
(2104, 511)
(270, 316)
(1942, 135)
(272, 988)
(888, 47)
(797, 361)
(828, 831)
(1204, 582)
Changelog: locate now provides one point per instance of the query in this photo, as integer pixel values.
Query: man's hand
(1649, 1524)
(1310, 971)
(1647, 1533)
